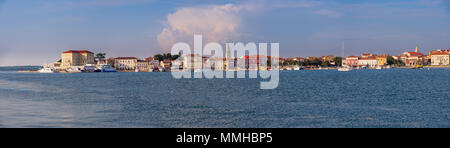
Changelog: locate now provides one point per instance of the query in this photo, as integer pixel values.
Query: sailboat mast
(343, 49)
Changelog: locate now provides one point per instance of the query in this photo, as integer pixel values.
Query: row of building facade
(434, 58)
(73, 58)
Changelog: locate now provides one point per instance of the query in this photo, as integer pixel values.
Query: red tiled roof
(77, 51)
(440, 53)
(415, 53)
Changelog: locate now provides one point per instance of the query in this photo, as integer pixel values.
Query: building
(230, 63)
(382, 60)
(166, 64)
(412, 58)
(76, 58)
(125, 63)
(440, 57)
(217, 63)
(143, 65)
(351, 61)
(328, 58)
(368, 61)
(192, 62)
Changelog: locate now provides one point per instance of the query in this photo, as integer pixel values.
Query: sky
(35, 32)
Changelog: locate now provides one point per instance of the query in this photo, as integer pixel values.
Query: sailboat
(346, 67)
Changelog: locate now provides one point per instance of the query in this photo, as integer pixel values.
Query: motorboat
(89, 68)
(74, 70)
(105, 68)
(47, 70)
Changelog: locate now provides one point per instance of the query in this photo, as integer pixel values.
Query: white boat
(89, 68)
(74, 70)
(296, 68)
(108, 68)
(345, 68)
(379, 67)
(46, 70)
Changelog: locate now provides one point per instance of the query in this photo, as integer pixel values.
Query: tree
(316, 62)
(338, 61)
(60, 60)
(307, 62)
(325, 64)
(100, 55)
(390, 60)
(158, 57)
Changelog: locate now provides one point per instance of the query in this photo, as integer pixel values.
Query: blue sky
(34, 32)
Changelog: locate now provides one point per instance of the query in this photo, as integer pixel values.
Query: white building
(369, 62)
(125, 63)
(440, 57)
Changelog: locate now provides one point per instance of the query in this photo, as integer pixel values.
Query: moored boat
(46, 70)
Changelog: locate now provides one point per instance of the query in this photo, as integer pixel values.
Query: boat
(107, 68)
(47, 70)
(379, 67)
(418, 67)
(74, 70)
(296, 68)
(344, 68)
(89, 68)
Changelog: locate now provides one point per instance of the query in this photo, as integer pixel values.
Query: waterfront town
(75, 61)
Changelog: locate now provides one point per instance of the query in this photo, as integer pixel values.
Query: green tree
(306, 62)
(325, 64)
(338, 61)
(158, 57)
(100, 55)
(390, 60)
(316, 62)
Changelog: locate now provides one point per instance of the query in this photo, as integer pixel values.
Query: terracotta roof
(440, 53)
(77, 51)
(415, 53)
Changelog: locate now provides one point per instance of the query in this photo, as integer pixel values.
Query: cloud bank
(217, 23)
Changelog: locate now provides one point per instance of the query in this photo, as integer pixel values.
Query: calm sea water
(364, 98)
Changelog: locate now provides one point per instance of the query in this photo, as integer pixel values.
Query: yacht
(46, 70)
(89, 68)
(105, 68)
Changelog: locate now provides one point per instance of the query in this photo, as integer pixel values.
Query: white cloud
(217, 23)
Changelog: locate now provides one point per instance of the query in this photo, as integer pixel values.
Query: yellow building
(76, 58)
(382, 60)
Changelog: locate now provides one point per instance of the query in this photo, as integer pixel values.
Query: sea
(389, 98)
